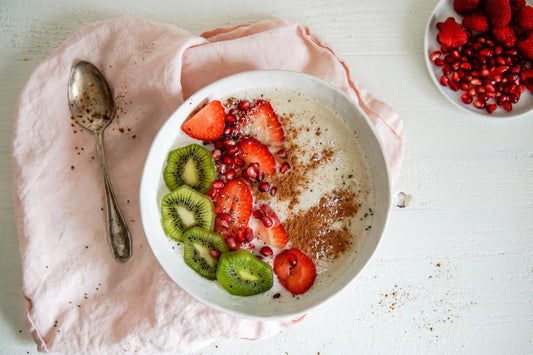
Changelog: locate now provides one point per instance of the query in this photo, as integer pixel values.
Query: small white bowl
(442, 11)
(170, 136)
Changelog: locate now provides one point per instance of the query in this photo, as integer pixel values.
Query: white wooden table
(454, 272)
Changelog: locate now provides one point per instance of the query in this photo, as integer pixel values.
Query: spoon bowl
(92, 105)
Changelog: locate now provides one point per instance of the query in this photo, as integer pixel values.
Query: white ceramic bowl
(442, 11)
(210, 292)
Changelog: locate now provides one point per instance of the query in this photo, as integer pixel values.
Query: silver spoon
(91, 103)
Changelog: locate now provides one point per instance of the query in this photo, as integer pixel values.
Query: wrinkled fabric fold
(79, 300)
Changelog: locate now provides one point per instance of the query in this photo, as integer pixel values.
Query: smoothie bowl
(265, 194)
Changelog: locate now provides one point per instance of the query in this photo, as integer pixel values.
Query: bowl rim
(199, 96)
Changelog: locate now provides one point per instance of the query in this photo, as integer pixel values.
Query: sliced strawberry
(295, 270)
(451, 34)
(268, 228)
(262, 123)
(207, 124)
(252, 151)
(233, 204)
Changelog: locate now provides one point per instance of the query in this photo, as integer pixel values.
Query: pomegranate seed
(284, 168)
(455, 77)
(228, 143)
(435, 55)
(212, 193)
(273, 191)
(449, 59)
(221, 169)
(490, 108)
(455, 54)
(232, 244)
(507, 106)
(466, 98)
(479, 103)
(454, 86)
(231, 151)
(219, 210)
(230, 174)
(240, 236)
(267, 221)
(471, 92)
(454, 65)
(258, 214)
(440, 62)
(282, 153)
(260, 175)
(446, 70)
(465, 65)
(266, 251)
(227, 160)
(233, 112)
(217, 153)
(486, 52)
(264, 187)
(251, 171)
(214, 253)
(276, 295)
(231, 118)
(218, 184)
(475, 82)
(444, 80)
(248, 234)
(244, 105)
(238, 161)
(292, 260)
(227, 130)
(223, 223)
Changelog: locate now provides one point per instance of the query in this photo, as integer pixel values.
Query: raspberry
(505, 35)
(463, 7)
(516, 5)
(476, 21)
(525, 46)
(527, 79)
(498, 12)
(451, 34)
(524, 20)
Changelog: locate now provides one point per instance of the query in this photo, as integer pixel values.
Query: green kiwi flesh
(243, 274)
(185, 208)
(191, 165)
(197, 246)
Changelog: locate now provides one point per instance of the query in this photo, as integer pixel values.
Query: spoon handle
(117, 231)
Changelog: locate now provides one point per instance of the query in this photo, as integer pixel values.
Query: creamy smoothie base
(325, 200)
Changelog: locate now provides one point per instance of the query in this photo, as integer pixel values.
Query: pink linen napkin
(80, 300)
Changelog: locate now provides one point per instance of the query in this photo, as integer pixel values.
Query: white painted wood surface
(454, 272)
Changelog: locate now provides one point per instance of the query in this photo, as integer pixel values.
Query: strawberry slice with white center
(251, 150)
(295, 270)
(233, 204)
(207, 124)
(268, 228)
(262, 123)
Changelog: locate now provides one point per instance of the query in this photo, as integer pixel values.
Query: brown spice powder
(323, 231)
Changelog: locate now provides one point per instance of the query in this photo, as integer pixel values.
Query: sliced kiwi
(183, 209)
(191, 165)
(243, 274)
(199, 245)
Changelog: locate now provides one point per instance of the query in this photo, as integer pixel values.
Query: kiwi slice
(199, 245)
(183, 209)
(243, 274)
(191, 165)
